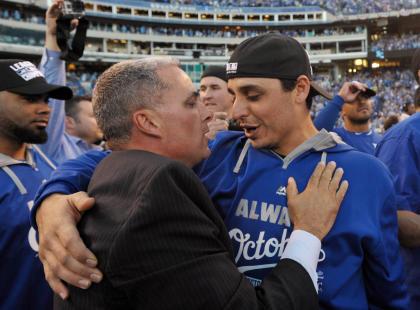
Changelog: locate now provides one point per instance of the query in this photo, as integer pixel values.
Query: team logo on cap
(231, 67)
(26, 70)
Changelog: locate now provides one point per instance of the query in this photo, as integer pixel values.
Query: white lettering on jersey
(266, 213)
(32, 233)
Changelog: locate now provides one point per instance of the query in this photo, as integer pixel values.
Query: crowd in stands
(20, 15)
(393, 42)
(336, 7)
(394, 88)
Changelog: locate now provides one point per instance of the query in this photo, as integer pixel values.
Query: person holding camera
(65, 141)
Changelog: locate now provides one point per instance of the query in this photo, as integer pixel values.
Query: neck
(12, 148)
(356, 127)
(297, 136)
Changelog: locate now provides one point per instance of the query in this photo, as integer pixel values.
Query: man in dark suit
(158, 238)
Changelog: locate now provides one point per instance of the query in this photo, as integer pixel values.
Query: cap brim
(52, 90)
(369, 93)
(320, 91)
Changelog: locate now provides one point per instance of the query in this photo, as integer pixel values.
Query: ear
(302, 89)
(70, 124)
(147, 122)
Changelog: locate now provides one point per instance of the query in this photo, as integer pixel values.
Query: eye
(34, 99)
(253, 97)
(191, 104)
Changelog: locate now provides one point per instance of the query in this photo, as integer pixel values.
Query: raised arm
(327, 117)
(58, 146)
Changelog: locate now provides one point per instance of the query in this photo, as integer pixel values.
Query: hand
(61, 250)
(315, 209)
(51, 16)
(350, 90)
(218, 123)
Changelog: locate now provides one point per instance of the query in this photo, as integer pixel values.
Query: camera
(73, 9)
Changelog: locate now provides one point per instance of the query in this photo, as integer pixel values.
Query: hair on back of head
(124, 88)
(72, 105)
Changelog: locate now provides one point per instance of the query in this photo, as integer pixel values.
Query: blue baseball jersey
(360, 265)
(22, 280)
(400, 151)
(362, 141)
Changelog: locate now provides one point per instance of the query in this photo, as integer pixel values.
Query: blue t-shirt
(22, 280)
(399, 149)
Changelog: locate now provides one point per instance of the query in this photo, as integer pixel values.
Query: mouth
(249, 130)
(41, 123)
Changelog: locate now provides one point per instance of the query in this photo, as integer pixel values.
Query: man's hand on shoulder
(61, 249)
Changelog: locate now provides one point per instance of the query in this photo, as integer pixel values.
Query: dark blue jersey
(400, 151)
(362, 141)
(22, 280)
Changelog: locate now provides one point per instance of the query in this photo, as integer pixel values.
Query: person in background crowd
(24, 115)
(215, 96)
(415, 65)
(390, 121)
(81, 122)
(62, 145)
(354, 103)
(400, 151)
(408, 109)
(417, 99)
(247, 175)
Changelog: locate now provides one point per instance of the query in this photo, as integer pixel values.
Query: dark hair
(417, 98)
(72, 105)
(406, 106)
(390, 121)
(289, 85)
(415, 64)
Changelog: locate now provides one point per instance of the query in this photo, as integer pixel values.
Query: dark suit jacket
(162, 245)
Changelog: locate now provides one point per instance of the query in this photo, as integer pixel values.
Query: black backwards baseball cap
(23, 78)
(272, 55)
(217, 71)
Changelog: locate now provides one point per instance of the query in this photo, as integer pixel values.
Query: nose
(205, 95)
(239, 109)
(43, 108)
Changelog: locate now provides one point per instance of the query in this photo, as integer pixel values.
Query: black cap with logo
(23, 78)
(272, 55)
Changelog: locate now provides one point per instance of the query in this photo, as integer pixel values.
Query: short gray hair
(124, 88)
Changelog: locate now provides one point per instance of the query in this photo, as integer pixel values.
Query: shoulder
(226, 147)
(362, 168)
(141, 167)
